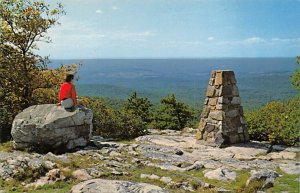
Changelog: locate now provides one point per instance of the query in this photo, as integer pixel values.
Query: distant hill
(259, 79)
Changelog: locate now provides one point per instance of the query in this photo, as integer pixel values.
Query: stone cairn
(222, 121)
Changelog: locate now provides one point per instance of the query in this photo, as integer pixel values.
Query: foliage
(114, 123)
(139, 107)
(172, 114)
(277, 122)
(24, 77)
(296, 76)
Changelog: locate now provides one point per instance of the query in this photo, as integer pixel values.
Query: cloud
(99, 11)
(210, 38)
(285, 40)
(247, 41)
(115, 8)
(254, 40)
(181, 44)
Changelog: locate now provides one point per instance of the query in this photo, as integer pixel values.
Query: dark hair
(69, 77)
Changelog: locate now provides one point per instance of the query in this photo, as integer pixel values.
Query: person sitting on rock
(67, 95)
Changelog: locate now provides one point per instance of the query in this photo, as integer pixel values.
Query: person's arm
(60, 93)
(73, 94)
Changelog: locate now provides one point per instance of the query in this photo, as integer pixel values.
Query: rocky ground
(163, 161)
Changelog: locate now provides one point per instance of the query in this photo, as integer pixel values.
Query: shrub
(172, 114)
(139, 106)
(296, 76)
(112, 123)
(276, 122)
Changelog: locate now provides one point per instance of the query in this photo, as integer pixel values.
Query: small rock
(110, 144)
(51, 177)
(152, 176)
(189, 130)
(81, 175)
(90, 148)
(117, 173)
(94, 172)
(220, 174)
(114, 154)
(196, 166)
(50, 165)
(223, 190)
(266, 175)
(178, 152)
(135, 160)
(166, 180)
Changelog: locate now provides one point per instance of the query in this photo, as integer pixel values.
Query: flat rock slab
(114, 186)
(290, 167)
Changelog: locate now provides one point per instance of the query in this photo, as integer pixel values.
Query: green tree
(172, 114)
(139, 106)
(24, 77)
(296, 75)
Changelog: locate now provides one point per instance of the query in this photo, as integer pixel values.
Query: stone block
(220, 106)
(232, 79)
(211, 137)
(236, 101)
(209, 128)
(211, 81)
(246, 135)
(234, 138)
(205, 112)
(219, 78)
(223, 100)
(243, 120)
(235, 121)
(206, 101)
(199, 135)
(210, 92)
(240, 130)
(241, 137)
(229, 77)
(232, 113)
(235, 90)
(212, 121)
(225, 90)
(241, 111)
(202, 124)
(213, 101)
(213, 74)
(217, 115)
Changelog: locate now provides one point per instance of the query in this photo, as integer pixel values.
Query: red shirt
(67, 90)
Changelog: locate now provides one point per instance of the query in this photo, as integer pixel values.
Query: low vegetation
(276, 122)
(136, 115)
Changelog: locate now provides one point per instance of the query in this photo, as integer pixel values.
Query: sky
(175, 29)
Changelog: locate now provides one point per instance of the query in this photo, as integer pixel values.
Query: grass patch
(286, 182)
(58, 187)
(237, 185)
(7, 146)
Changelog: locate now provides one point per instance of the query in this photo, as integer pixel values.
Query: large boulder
(114, 186)
(51, 128)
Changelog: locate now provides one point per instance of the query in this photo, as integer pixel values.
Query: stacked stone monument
(222, 121)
